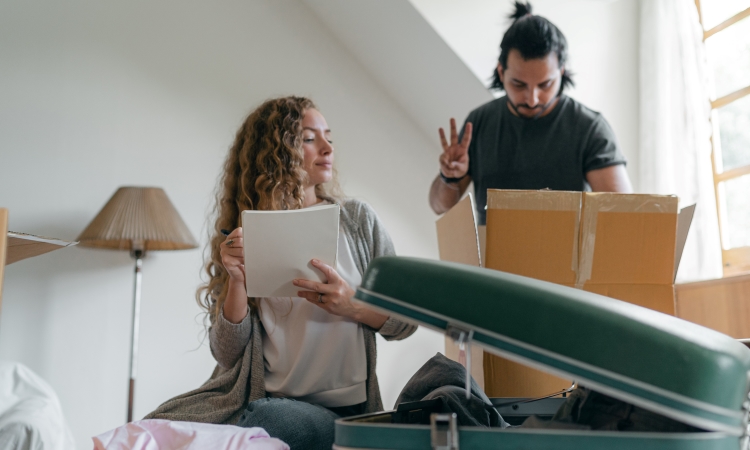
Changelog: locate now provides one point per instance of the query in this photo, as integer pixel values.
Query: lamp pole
(138, 256)
(138, 219)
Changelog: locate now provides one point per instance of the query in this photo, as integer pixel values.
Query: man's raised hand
(454, 161)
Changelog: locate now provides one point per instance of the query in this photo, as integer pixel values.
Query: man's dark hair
(534, 37)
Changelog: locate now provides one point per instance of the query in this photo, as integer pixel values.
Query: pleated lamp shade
(138, 218)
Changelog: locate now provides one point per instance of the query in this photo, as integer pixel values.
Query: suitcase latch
(444, 431)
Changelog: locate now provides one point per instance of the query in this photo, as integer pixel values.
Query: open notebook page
(280, 244)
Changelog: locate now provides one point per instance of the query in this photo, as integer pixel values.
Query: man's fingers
(454, 153)
(448, 165)
(466, 138)
(445, 161)
(443, 141)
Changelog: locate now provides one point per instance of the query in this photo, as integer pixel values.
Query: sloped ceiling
(406, 57)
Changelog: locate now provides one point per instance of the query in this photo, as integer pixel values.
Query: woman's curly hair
(264, 170)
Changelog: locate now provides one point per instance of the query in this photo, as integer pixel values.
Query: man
(534, 137)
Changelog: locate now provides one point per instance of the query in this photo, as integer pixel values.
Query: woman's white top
(311, 355)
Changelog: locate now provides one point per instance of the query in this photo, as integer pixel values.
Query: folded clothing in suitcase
(663, 364)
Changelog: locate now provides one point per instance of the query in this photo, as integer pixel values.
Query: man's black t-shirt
(555, 151)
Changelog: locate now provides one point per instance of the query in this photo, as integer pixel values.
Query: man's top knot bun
(522, 9)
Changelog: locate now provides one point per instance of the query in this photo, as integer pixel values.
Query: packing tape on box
(595, 202)
(533, 200)
(544, 200)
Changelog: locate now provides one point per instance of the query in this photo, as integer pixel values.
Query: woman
(293, 365)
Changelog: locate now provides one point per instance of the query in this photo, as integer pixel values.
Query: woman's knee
(299, 424)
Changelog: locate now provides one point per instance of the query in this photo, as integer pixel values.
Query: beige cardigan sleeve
(372, 241)
(228, 340)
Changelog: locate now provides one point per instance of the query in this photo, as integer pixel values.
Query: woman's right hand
(233, 256)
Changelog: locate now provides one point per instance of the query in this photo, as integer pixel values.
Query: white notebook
(280, 244)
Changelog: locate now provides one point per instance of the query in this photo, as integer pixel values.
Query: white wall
(602, 37)
(401, 51)
(97, 95)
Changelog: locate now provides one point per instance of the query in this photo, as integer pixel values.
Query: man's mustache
(539, 108)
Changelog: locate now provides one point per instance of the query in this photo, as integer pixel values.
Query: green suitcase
(664, 364)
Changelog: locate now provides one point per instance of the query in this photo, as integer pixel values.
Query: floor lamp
(137, 219)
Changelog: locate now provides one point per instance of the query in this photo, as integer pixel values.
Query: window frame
(734, 260)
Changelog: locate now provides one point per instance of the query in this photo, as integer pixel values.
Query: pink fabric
(157, 434)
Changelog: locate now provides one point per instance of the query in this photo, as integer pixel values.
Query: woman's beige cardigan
(225, 395)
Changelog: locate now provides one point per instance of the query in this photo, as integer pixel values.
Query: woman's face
(317, 148)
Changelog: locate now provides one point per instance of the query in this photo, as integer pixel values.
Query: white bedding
(30, 414)
(157, 434)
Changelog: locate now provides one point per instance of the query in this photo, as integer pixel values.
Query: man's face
(531, 84)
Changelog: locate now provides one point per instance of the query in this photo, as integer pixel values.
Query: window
(726, 32)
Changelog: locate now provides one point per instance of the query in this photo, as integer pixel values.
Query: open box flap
(627, 238)
(684, 219)
(458, 240)
(22, 246)
(534, 233)
(662, 363)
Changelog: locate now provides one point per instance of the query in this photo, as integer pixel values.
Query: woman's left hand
(334, 295)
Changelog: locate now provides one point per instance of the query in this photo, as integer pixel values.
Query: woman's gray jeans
(299, 424)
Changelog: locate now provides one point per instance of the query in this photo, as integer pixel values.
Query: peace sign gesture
(454, 161)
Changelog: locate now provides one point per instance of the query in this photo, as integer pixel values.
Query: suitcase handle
(565, 391)
(463, 338)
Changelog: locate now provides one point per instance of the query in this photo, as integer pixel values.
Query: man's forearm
(444, 195)
(610, 179)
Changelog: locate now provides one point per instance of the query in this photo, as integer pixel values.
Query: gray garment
(555, 151)
(301, 425)
(239, 376)
(590, 410)
(445, 379)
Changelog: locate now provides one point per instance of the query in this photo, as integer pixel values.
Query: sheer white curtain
(675, 150)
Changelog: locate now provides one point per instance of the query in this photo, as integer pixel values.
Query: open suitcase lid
(667, 365)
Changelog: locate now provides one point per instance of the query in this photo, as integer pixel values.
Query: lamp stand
(138, 256)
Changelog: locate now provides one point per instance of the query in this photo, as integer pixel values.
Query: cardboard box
(722, 304)
(458, 242)
(625, 246)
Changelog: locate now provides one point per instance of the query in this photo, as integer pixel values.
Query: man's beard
(542, 109)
